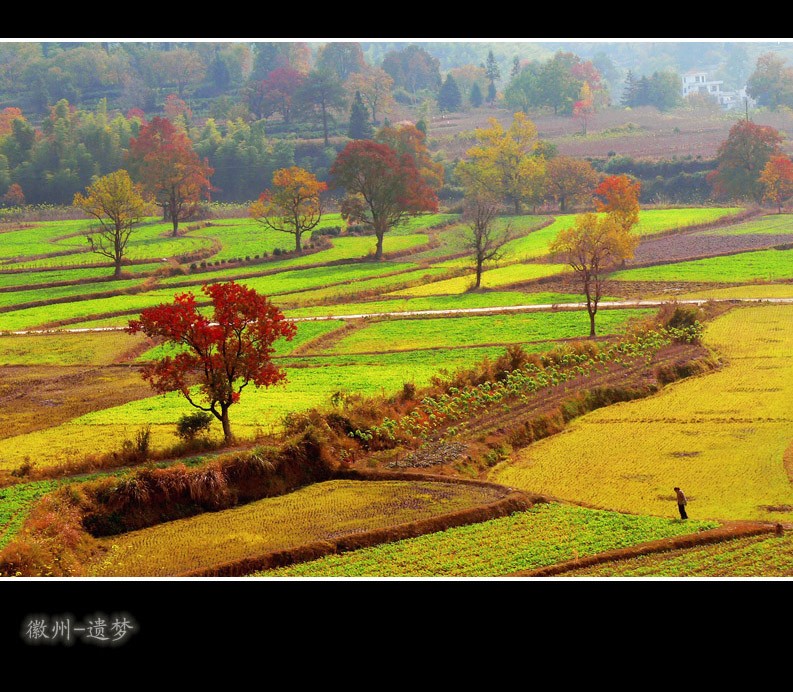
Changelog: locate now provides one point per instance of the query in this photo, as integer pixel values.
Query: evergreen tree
(476, 96)
(643, 92)
(515, 71)
(493, 74)
(219, 73)
(491, 92)
(628, 98)
(449, 97)
(360, 127)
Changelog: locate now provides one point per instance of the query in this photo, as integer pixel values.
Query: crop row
(557, 367)
(544, 535)
(756, 556)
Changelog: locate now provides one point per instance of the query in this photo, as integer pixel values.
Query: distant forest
(69, 110)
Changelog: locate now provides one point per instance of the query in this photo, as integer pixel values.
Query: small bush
(191, 425)
(24, 469)
(137, 450)
(277, 251)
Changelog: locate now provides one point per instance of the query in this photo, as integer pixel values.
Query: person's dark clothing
(681, 503)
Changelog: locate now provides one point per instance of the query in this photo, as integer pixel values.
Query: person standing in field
(681, 503)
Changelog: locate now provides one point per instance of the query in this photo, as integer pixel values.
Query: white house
(698, 83)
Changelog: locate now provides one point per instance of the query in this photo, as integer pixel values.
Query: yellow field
(756, 291)
(317, 512)
(720, 436)
(491, 278)
(72, 441)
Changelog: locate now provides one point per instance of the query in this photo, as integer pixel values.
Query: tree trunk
(378, 255)
(591, 324)
(325, 124)
(224, 419)
(478, 275)
(117, 271)
(175, 223)
(298, 246)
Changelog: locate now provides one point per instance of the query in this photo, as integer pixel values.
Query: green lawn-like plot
(760, 265)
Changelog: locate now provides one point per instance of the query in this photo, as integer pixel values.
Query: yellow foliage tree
(376, 86)
(593, 247)
(294, 205)
(504, 162)
(118, 204)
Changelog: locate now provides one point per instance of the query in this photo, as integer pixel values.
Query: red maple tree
(382, 187)
(221, 353)
(162, 158)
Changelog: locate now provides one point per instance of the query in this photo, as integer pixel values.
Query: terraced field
(317, 512)
(757, 556)
(720, 436)
(543, 535)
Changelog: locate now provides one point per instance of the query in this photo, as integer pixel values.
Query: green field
(314, 513)
(772, 223)
(15, 502)
(759, 265)
(544, 535)
(408, 334)
(756, 556)
(490, 299)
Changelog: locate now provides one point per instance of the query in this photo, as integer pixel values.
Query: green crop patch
(15, 503)
(544, 535)
(774, 224)
(10, 298)
(414, 333)
(462, 301)
(306, 331)
(755, 556)
(759, 265)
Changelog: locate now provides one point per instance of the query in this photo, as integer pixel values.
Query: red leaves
(391, 185)
(224, 352)
(163, 159)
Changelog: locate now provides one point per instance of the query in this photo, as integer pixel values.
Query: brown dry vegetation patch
(639, 132)
(682, 247)
(34, 397)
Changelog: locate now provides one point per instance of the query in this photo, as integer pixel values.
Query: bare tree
(484, 239)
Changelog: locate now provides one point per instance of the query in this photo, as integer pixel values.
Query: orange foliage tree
(620, 196)
(7, 117)
(570, 181)
(162, 158)
(293, 205)
(777, 180)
